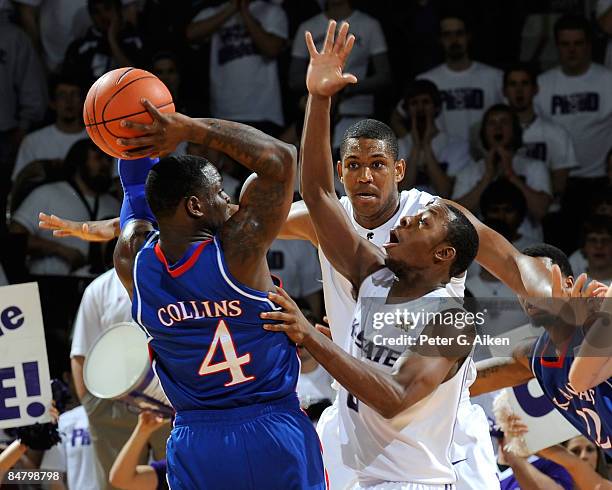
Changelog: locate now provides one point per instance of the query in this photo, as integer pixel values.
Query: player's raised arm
(526, 276)
(350, 255)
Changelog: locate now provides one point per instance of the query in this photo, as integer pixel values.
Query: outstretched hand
(89, 231)
(294, 324)
(158, 138)
(325, 75)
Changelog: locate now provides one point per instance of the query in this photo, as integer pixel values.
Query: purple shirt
(554, 471)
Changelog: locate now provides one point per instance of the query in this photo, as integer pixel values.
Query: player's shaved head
(374, 130)
(175, 178)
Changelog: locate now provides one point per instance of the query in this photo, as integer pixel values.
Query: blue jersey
(209, 348)
(591, 411)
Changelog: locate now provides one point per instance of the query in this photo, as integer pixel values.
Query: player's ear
(194, 207)
(569, 282)
(400, 170)
(444, 253)
(339, 170)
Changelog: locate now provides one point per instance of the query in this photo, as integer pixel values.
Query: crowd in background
(503, 106)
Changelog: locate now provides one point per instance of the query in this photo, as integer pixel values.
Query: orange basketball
(115, 96)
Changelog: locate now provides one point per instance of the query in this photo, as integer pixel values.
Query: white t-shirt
(61, 22)
(74, 455)
(48, 143)
(314, 387)
(244, 85)
(533, 172)
(61, 199)
(583, 105)
(451, 152)
(549, 142)
(369, 41)
(296, 263)
(105, 303)
(466, 95)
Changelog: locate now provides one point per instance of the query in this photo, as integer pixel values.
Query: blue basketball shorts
(263, 446)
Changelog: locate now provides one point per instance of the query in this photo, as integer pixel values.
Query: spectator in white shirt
(53, 142)
(577, 95)
(501, 137)
(595, 255)
(434, 157)
(369, 62)
(468, 88)
(82, 196)
(543, 139)
(245, 38)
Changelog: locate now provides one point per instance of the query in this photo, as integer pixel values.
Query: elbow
(117, 480)
(580, 383)
(283, 159)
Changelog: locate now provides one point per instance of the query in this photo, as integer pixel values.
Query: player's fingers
(349, 78)
(136, 126)
(578, 285)
(138, 152)
(557, 281)
(324, 330)
(154, 111)
(590, 289)
(277, 315)
(600, 292)
(281, 301)
(312, 49)
(329, 38)
(347, 48)
(140, 141)
(341, 39)
(62, 233)
(276, 327)
(46, 225)
(284, 293)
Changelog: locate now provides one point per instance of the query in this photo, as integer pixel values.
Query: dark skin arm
(264, 204)
(416, 375)
(352, 256)
(497, 373)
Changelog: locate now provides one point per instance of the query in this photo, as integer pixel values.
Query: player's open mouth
(393, 240)
(365, 195)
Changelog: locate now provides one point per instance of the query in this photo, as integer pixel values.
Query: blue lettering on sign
(533, 406)
(11, 318)
(7, 393)
(537, 151)
(460, 99)
(575, 103)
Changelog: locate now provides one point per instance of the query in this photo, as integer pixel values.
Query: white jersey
(472, 440)
(416, 445)
(550, 143)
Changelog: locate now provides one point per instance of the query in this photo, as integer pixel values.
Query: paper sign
(25, 387)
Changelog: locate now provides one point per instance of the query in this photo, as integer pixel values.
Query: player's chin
(365, 204)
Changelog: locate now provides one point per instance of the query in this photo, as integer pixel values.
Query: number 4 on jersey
(232, 362)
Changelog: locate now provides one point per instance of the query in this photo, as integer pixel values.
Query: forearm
(497, 373)
(261, 153)
(298, 225)
(528, 476)
(10, 456)
(372, 386)
(442, 183)
(537, 201)
(267, 44)
(581, 472)
(202, 29)
(133, 175)
(471, 200)
(123, 470)
(76, 363)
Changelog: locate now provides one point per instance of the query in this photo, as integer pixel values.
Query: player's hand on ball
(159, 138)
(325, 76)
(294, 324)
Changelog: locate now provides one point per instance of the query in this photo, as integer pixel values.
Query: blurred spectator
(542, 138)
(166, 67)
(577, 95)
(109, 43)
(82, 196)
(584, 462)
(126, 473)
(296, 263)
(74, 455)
(368, 62)
(245, 37)
(434, 157)
(604, 19)
(104, 304)
(23, 98)
(531, 473)
(595, 255)
(52, 25)
(468, 88)
(53, 142)
(501, 137)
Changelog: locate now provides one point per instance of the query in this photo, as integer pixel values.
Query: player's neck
(413, 284)
(577, 71)
(460, 64)
(380, 218)
(176, 238)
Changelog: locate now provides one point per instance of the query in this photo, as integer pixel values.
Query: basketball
(116, 96)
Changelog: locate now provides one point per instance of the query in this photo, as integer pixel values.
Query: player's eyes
(353, 165)
(378, 165)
